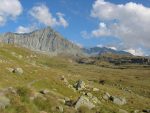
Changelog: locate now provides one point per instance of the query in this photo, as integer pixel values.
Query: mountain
(49, 41)
(46, 40)
(104, 50)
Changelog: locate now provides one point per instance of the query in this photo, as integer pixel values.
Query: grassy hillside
(42, 72)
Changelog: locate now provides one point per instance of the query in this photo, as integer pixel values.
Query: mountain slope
(46, 40)
(47, 84)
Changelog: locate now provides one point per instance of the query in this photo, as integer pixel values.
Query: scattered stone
(45, 91)
(67, 99)
(89, 95)
(79, 85)
(4, 101)
(95, 100)
(118, 100)
(106, 96)
(60, 109)
(122, 111)
(15, 70)
(95, 89)
(84, 101)
(19, 70)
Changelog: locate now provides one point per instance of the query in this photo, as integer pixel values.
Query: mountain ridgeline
(51, 42)
(44, 40)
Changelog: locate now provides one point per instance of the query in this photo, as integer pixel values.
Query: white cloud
(62, 21)
(114, 48)
(101, 31)
(136, 52)
(44, 16)
(129, 22)
(9, 9)
(22, 29)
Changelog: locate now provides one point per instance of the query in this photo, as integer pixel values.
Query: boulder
(18, 70)
(79, 85)
(15, 70)
(4, 101)
(95, 89)
(106, 96)
(89, 95)
(95, 100)
(84, 101)
(118, 100)
(45, 91)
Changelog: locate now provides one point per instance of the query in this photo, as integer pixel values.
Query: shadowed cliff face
(46, 40)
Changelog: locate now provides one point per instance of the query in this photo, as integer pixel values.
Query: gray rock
(95, 100)
(15, 70)
(18, 70)
(45, 91)
(4, 101)
(45, 40)
(67, 99)
(89, 95)
(106, 96)
(95, 89)
(79, 85)
(118, 100)
(84, 101)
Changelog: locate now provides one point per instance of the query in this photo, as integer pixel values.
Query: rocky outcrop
(79, 85)
(46, 40)
(4, 101)
(84, 101)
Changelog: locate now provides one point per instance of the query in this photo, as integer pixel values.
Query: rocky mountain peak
(46, 40)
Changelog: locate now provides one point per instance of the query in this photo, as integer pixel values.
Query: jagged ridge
(46, 40)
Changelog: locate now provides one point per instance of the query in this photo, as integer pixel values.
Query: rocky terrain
(45, 40)
(33, 82)
(69, 79)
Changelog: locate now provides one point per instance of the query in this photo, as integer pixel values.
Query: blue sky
(83, 27)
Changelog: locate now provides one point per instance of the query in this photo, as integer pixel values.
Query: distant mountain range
(49, 41)
(104, 50)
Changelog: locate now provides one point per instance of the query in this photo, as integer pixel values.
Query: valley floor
(36, 83)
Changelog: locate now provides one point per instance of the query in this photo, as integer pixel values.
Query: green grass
(46, 71)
